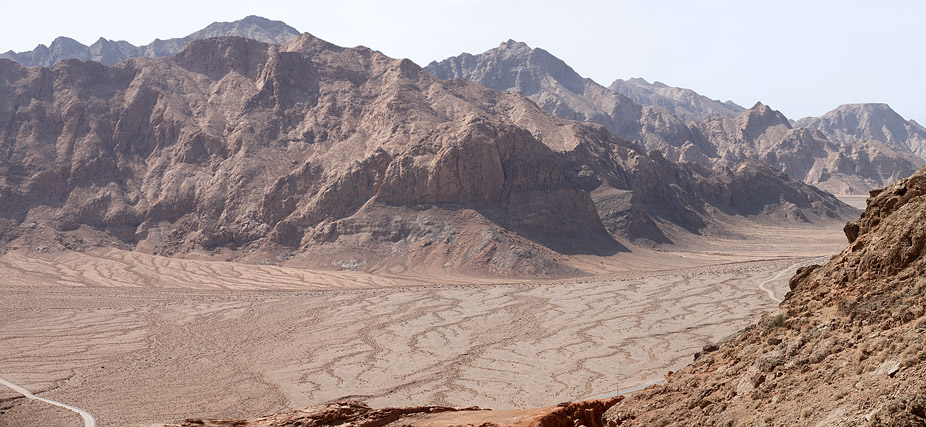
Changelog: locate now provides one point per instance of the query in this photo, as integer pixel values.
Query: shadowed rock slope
(846, 346)
(685, 104)
(111, 52)
(870, 122)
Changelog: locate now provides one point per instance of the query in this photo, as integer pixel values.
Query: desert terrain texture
(139, 339)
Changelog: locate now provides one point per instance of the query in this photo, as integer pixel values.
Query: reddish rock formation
(357, 414)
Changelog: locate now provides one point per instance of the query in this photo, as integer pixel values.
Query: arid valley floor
(139, 340)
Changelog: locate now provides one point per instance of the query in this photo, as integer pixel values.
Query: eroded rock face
(635, 190)
(329, 157)
(844, 348)
(303, 150)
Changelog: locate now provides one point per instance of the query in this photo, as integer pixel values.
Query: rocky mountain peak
(252, 27)
(760, 117)
(870, 121)
(110, 52)
(307, 43)
(512, 44)
(512, 66)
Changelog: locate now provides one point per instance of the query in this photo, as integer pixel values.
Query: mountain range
(312, 154)
(110, 52)
(859, 147)
(685, 104)
(707, 132)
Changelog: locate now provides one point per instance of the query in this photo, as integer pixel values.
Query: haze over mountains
(872, 122)
(685, 104)
(110, 52)
(716, 134)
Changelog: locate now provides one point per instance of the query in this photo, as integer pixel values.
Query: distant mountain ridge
(712, 134)
(851, 167)
(876, 122)
(109, 52)
(548, 81)
(554, 86)
(685, 104)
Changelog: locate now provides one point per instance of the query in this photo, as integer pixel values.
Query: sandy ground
(21, 412)
(137, 339)
(856, 201)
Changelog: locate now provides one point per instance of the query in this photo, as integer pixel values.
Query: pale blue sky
(801, 57)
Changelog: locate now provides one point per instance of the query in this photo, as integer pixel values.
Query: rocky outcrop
(349, 412)
(685, 104)
(870, 122)
(109, 52)
(358, 414)
(554, 86)
(845, 347)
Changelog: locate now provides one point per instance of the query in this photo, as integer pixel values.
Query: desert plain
(139, 339)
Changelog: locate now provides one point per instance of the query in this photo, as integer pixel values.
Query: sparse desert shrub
(806, 412)
(777, 321)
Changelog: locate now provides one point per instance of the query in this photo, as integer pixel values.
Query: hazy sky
(801, 57)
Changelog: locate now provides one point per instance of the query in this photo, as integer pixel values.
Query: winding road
(771, 293)
(89, 421)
